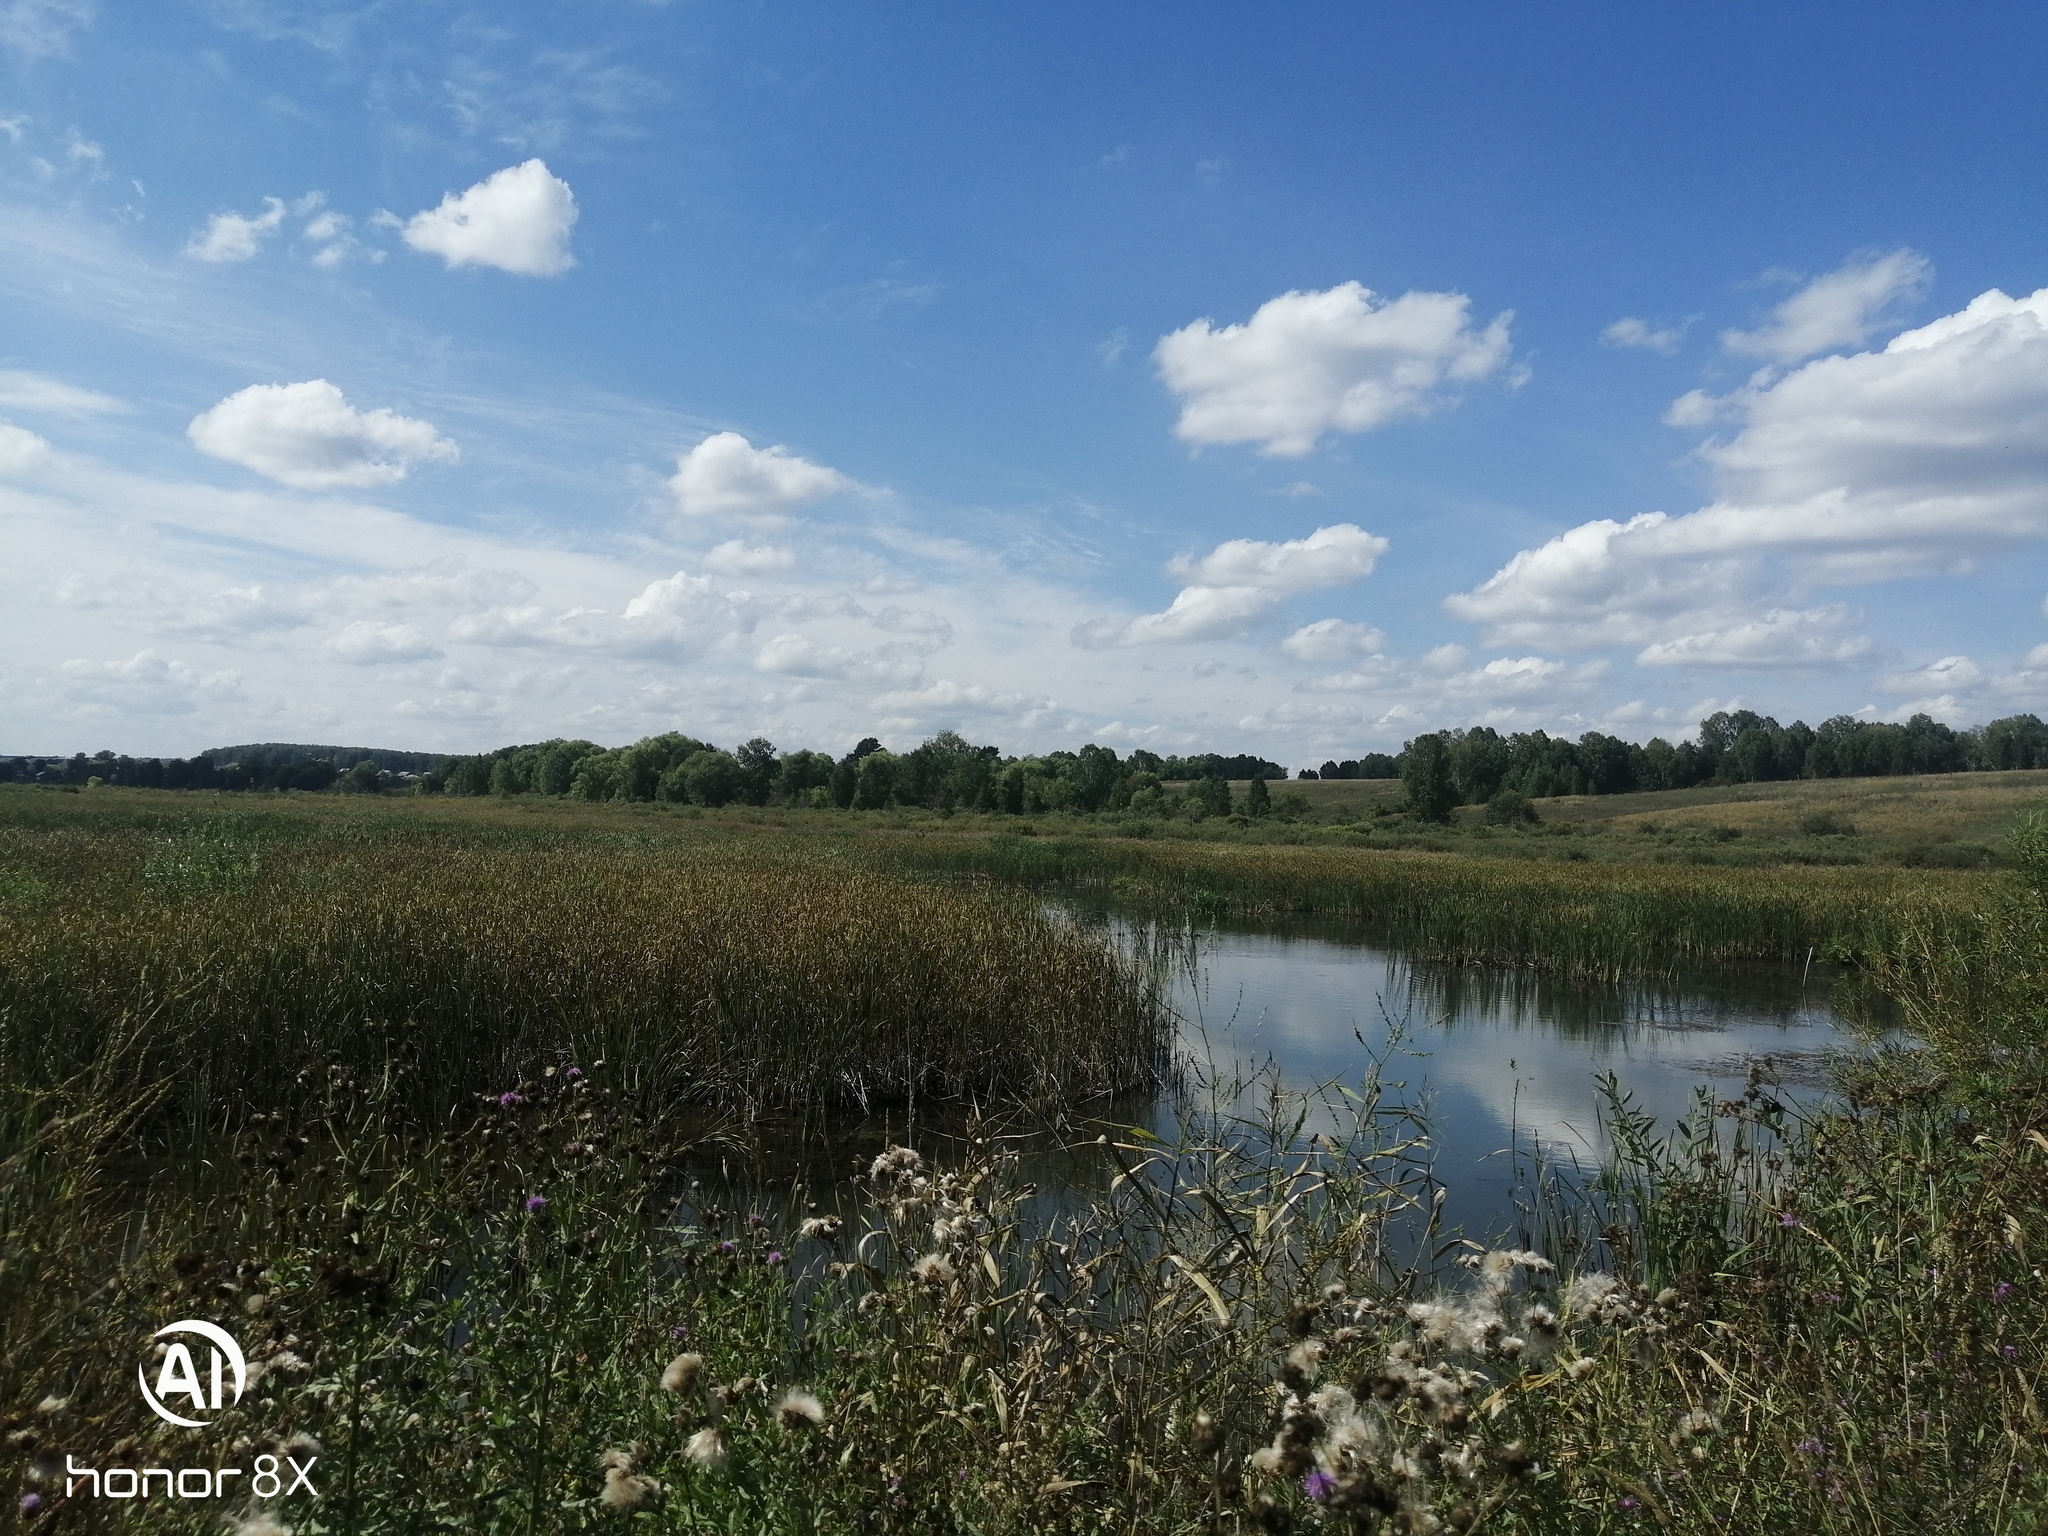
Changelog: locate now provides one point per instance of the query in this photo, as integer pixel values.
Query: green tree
(1209, 796)
(1258, 800)
(713, 778)
(875, 782)
(1426, 773)
(757, 766)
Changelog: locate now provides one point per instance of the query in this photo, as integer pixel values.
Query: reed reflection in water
(1496, 1058)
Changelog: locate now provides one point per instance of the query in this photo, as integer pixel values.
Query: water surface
(1497, 1058)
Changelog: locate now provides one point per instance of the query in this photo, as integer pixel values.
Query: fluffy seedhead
(707, 1449)
(933, 1269)
(799, 1410)
(682, 1373)
(626, 1488)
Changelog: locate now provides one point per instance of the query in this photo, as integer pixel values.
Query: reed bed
(1604, 920)
(244, 961)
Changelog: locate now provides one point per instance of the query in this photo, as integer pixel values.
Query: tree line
(1445, 769)
(948, 772)
(1440, 770)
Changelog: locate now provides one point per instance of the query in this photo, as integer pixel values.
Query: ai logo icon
(179, 1382)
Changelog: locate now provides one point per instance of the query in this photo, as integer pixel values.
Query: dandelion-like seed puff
(799, 1410)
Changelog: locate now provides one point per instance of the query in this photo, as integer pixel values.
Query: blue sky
(1286, 379)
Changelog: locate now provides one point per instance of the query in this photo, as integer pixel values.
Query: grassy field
(1956, 821)
(409, 1094)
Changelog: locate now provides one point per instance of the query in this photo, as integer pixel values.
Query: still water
(1497, 1059)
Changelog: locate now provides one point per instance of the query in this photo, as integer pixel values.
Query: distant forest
(1440, 770)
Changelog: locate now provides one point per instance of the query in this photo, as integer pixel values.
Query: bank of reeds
(240, 968)
(1600, 920)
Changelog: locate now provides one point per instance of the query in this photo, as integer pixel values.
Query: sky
(1185, 376)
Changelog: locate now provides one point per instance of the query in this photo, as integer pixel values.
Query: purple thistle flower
(2001, 1290)
(1319, 1485)
(2009, 1351)
(1790, 1220)
(572, 1072)
(756, 1221)
(1630, 1504)
(774, 1257)
(31, 1502)
(726, 1247)
(508, 1100)
(535, 1204)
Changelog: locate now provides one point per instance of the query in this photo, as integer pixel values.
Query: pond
(1495, 1058)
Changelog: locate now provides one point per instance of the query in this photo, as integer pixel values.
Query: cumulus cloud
(1329, 640)
(1240, 582)
(309, 437)
(517, 220)
(1631, 332)
(1847, 469)
(33, 392)
(727, 476)
(1843, 309)
(21, 450)
(689, 613)
(1342, 360)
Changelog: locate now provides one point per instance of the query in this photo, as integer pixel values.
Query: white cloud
(1508, 674)
(334, 234)
(943, 698)
(1843, 309)
(42, 28)
(308, 436)
(737, 558)
(33, 392)
(1329, 640)
(1343, 360)
(1783, 638)
(1951, 674)
(517, 220)
(801, 656)
(725, 475)
(232, 237)
(367, 641)
(1846, 470)
(147, 683)
(1631, 332)
(1240, 582)
(21, 450)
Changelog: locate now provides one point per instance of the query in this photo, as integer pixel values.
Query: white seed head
(681, 1373)
(799, 1410)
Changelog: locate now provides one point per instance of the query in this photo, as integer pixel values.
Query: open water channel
(1496, 1059)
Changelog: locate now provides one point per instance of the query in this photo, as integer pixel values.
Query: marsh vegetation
(420, 1099)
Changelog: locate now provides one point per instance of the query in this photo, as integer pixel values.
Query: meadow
(427, 1102)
